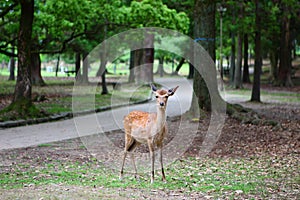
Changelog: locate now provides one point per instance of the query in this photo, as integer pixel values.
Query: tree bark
(102, 70)
(57, 65)
(238, 69)
(246, 77)
(85, 68)
(131, 67)
(23, 88)
(77, 66)
(148, 58)
(233, 49)
(138, 62)
(12, 66)
(274, 64)
(255, 96)
(160, 69)
(204, 27)
(144, 59)
(191, 71)
(181, 62)
(36, 77)
(232, 59)
(285, 63)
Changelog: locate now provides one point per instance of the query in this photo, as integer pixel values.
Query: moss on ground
(21, 109)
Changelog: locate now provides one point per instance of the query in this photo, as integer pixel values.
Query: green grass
(59, 96)
(249, 176)
(285, 97)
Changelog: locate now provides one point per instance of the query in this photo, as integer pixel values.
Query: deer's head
(162, 95)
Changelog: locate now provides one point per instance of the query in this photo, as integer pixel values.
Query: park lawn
(57, 96)
(255, 177)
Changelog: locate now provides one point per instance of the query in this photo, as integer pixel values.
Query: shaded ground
(279, 145)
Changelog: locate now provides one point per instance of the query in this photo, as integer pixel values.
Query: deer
(147, 128)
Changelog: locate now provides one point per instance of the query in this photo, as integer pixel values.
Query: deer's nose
(161, 103)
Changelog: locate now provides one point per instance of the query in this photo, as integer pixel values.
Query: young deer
(151, 128)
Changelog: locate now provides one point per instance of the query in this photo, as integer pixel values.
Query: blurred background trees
(253, 32)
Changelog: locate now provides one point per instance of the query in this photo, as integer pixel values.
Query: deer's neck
(161, 118)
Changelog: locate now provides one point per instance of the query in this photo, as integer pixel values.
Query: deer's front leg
(161, 164)
(151, 150)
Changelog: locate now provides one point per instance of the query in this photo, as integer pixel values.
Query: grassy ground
(227, 177)
(56, 97)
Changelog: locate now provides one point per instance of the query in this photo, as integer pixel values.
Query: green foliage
(9, 25)
(78, 25)
(149, 13)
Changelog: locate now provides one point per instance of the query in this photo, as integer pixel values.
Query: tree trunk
(102, 70)
(22, 94)
(232, 59)
(274, 64)
(138, 65)
(85, 68)
(204, 27)
(191, 71)
(36, 77)
(103, 83)
(238, 69)
(77, 66)
(285, 63)
(160, 69)
(144, 61)
(246, 77)
(232, 56)
(12, 66)
(131, 66)
(148, 58)
(255, 96)
(181, 62)
(57, 65)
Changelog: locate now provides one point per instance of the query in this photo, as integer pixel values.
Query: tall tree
(237, 83)
(36, 76)
(12, 66)
(233, 46)
(144, 62)
(148, 13)
(255, 95)
(22, 96)
(285, 64)
(204, 27)
(246, 76)
(272, 36)
(85, 68)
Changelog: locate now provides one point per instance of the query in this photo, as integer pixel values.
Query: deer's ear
(172, 91)
(153, 87)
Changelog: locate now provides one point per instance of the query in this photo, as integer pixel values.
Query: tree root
(247, 115)
(22, 109)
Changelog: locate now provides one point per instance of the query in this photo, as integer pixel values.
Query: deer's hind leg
(130, 146)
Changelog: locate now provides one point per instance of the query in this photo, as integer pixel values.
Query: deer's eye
(156, 96)
(166, 97)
